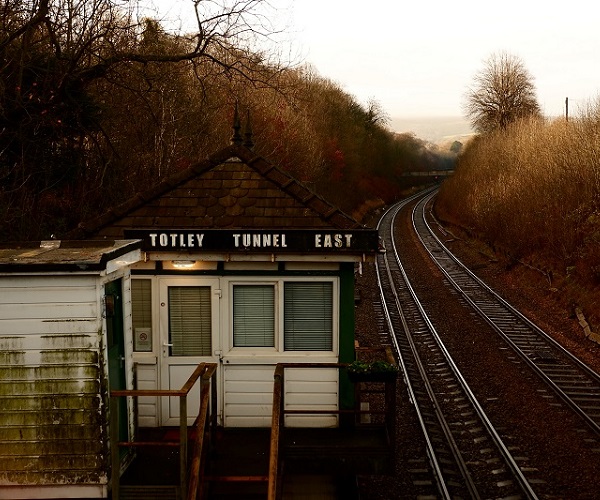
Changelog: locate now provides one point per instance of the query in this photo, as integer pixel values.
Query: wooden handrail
(196, 481)
(206, 372)
(194, 487)
(334, 412)
(197, 373)
(279, 412)
(185, 389)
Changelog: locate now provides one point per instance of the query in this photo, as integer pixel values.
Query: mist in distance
(433, 129)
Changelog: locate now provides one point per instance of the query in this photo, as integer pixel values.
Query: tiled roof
(234, 188)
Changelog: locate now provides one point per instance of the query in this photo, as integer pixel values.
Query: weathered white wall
(147, 379)
(249, 395)
(51, 408)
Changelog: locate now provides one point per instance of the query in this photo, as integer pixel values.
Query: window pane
(141, 303)
(141, 314)
(254, 316)
(190, 320)
(308, 316)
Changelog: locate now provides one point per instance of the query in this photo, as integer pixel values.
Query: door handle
(166, 346)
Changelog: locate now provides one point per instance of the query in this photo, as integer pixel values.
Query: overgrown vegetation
(532, 192)
(96, 106)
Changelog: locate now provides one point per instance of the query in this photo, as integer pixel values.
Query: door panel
(189, 334)
(113, 311)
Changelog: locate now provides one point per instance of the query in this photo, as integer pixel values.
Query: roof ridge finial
(248, 142)
(236, 138)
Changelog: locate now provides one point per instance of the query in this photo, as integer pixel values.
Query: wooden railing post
(183, 445)
(276, 427)
(196, 487)
(183, 428)
(213, 409)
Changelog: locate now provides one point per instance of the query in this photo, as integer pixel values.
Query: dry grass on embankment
(532, 194)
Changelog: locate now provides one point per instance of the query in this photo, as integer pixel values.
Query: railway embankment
(530, 196)
(553, 443)
(563, 291)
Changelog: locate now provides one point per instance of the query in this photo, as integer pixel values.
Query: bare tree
(89, 38)
(61, 62)
(376, 114)
(503, 92)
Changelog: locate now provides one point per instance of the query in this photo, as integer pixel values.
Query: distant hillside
(433, 129)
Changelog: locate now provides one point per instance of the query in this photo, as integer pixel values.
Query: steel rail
(507, 455)
(444, 425)
(571, 379)
(412, 380)
(431, 452)
(515, 471)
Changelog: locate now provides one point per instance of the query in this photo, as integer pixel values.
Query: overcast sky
(417, 58)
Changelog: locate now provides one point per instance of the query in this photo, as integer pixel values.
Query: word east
(333, 240)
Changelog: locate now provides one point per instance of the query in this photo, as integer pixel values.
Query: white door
(189, 334)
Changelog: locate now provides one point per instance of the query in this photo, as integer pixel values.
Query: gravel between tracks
(555, 445)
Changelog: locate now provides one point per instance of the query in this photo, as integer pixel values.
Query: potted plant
(375, 371)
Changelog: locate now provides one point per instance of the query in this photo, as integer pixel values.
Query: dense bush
(533, 193)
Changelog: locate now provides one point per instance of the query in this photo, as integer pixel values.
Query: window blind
(308, 316)
(254, 316)
(190, 320)
(141, 303)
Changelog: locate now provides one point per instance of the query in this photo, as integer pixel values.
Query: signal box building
(245, 267)
(231, 262)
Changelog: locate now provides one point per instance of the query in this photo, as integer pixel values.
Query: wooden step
(238, 487)
(313, 487)
(140, 492)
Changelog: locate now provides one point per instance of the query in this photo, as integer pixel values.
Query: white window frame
(153, 314)
(278, 349)
(276, 313)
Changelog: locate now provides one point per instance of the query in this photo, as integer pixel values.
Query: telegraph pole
(567, 108)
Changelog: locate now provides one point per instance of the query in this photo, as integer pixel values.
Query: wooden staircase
(277, 463)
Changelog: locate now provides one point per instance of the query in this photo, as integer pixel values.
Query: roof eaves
(64, 256)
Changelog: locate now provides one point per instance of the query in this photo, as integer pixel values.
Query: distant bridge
(429, 173)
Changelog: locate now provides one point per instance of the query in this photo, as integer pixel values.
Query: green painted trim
(347, 326)
(346, 320)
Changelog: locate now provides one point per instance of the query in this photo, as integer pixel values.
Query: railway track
(467, 456)
(573, 382)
